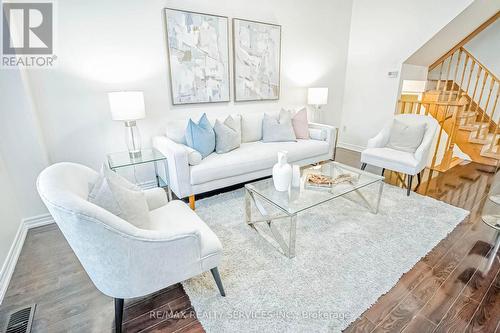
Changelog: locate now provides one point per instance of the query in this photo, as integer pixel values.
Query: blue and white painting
(257, 51)
(198, 57)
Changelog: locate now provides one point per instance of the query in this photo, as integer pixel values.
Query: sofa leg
(192, 202)
(216, 275)
(410, 179)
(118, 314)
(363, 166)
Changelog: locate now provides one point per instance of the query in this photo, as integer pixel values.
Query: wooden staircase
(477, 132)
(462, 94)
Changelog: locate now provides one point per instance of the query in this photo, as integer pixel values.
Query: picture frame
(256, 60)
(198, 56)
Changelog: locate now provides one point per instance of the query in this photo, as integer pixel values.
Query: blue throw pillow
(201, 136)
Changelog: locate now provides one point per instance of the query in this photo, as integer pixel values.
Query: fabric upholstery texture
(251, 127)
(301, 124)
(200, 136)
(317, 134)
(194, 156)
(122, 198)
(278, 128)
(406, 137)
(378, 154)
(227, 136)
(124, 261)
(253, 156)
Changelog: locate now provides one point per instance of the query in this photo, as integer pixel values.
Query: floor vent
(21, 320)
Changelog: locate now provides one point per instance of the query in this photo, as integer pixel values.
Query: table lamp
(128, 106)
(317, 97)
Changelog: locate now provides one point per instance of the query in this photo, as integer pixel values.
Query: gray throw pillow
(406, 137)
(276, 129)
(121, 198)
(227, 135)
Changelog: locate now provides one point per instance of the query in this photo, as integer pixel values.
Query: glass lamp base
(135, 154)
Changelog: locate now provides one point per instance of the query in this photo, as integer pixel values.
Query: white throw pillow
(121, 198)
(194, 156)
(406, 137)
(251, 127)
(227, 136)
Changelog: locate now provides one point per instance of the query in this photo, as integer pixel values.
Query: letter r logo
(27, 28)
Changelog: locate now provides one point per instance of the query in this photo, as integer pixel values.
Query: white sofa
(250, 161)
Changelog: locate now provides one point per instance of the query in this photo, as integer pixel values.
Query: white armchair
(124, 261)
(411, 164)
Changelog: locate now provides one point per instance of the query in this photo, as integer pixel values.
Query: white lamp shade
(317, 96)
(127, 105)
(413, 86)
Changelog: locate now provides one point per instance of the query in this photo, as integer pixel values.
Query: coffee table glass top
(307, 196)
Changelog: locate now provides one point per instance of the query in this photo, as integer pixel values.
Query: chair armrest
(380, 140)
(331, 136)
(156, 197)
(422, 152)
(178, 166)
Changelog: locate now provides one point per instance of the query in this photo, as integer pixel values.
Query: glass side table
(149, 155)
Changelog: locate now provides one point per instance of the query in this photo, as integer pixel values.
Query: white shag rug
(346, 258)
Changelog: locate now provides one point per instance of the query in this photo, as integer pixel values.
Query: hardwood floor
(447, 291)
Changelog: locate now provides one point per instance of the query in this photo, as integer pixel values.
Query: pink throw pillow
(300, 124)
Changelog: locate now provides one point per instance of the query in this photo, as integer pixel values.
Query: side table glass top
(123, 159)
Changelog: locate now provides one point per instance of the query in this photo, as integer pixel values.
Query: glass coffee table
(288, 204)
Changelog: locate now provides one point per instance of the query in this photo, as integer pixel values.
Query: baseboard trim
(10, 262)
(351, 146)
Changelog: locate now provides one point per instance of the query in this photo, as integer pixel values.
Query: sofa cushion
(278, 128)
(253, 156)
(201, 136)
(251, 127)
(227, 136)
(391, 159)
(175, 130)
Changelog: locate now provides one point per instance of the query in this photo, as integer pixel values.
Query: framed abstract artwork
(198, 54)
(257, 57)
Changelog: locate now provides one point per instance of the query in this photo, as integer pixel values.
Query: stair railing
(461, 74)
(447, 115)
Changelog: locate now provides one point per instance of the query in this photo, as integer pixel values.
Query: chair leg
(192, 202)
(363, 166)
(118, 314)
(383, 170)
(419, 177)
(216, 275)
(410, 179)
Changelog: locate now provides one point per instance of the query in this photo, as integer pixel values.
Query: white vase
(282, 172)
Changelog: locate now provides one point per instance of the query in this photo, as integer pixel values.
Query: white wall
(118, 45)
(383, 35)
(485, 47)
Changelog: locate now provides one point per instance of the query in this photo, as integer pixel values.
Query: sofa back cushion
(200, 136)
(278, 128)
(251, 127)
